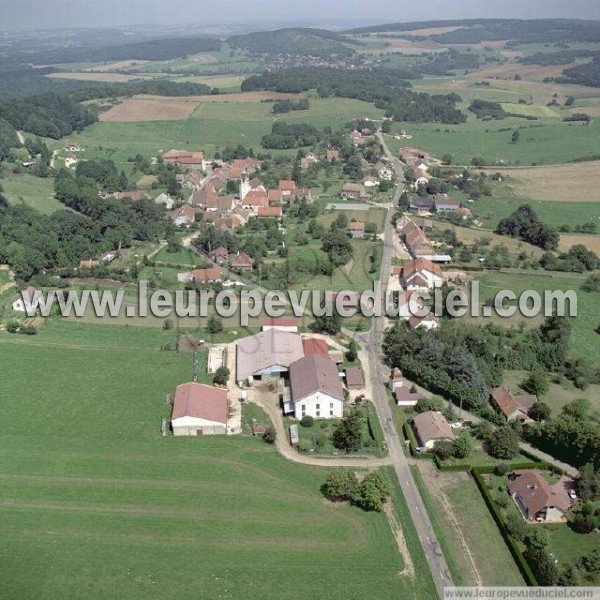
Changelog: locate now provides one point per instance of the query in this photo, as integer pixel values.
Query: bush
(371, 493)
(214, 325)
(307, 421)
(340, 485)
(270, 435)
(503, 443)
(221, 376)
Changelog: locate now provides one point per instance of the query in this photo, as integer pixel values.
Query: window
(331, 405)
(318, 406)
(318, 413)
(331, 413)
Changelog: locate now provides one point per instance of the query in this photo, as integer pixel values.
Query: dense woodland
(386, 88)
(586, 74)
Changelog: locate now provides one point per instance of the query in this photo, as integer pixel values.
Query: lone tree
(536, 383)
(503, 443)
(540, 411)
(371, 493)
(348, 435)
(214, 325)
(221, 376)
(463, 445)
(340, 485)
(352, 352)
(270, 435)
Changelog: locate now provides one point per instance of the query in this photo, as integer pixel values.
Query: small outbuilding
(199, 409)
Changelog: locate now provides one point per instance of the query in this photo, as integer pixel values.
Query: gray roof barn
(313, 373)
(271, 349)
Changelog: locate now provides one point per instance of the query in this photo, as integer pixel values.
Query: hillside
(296, 41)
(474, 31)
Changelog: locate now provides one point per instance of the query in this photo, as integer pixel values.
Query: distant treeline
(163, 49)
(386, 88)
(57, 115)
(518, 31)
(586, 74)
(285, 106)
(296, 41)
(284, 136)
(449, 62)
(562, 57)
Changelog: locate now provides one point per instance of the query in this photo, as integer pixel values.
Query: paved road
(372, 342)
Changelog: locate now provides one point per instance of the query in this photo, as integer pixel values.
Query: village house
(199, 409)
(384, 171)
(353, 190)
(269, 212)
(219, 255)
(183, 216)
(274, 197)
(446, 205)
(421, 274)
(246, 165)
(191, 180)
(511, 406)
(208, 275)
(286, 187)
(356, 229)
(537, 499)
(251, 185)
(332, 155)
(315, 389)
(289, 324)
(242, 262)
(431, 427)
(71, 146)
(267, 355)
(422, 204)
(27, 300)
(404, 396)
(254, 200)
(133, 195)
(369, 181)
(185, 159)
(300, 194)
(417, 243)
(429, 321)
(356, 138)
(165, 200)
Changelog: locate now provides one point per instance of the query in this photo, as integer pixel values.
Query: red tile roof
(200, 401)
(269, 212)
(315, 346)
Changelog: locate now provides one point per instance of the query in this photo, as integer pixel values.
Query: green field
(492, 209)
(95, 503)
(544, 142)
(31, 190)
(585, 342)
(530, 110)
(214, 126)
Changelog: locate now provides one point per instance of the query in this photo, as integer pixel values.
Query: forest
(386, 88)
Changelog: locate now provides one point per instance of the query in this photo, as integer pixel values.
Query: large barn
(267, 355)
(199, 409)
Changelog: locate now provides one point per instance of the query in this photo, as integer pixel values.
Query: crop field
(555, 213)
(592, 242)
(102, 77)
(212, 125)
(31, 190)
(575, 182)
(550, 142)
(87, 475)
(530, 110)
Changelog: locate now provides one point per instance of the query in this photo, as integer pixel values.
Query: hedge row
(375, 430)
(410, 436)
(499, 518)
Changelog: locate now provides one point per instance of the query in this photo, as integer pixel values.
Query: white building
(315, 388)
(421, 275)
(199, 409)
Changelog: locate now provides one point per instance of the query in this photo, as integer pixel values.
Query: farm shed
(199, 409)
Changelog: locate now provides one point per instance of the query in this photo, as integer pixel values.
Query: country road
(372, 342)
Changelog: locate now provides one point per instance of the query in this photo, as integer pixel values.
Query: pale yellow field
(575, 182)
(105, 77)
(591, 242)
(161, 108)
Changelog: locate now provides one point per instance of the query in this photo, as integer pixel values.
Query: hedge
(375, 430)
(512, 544)
(410, 436)
(443, 466)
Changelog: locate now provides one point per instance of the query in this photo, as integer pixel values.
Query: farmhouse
(274, 197)
(282, 323)
(199, 409)
(219, 255)
(269, 212)
(242, 262)
(211, 275)
(356, 229)
(183, 216)
(421, 204)
(429, 321)
(315, 388)
(300, 194)
(537, 499)
(286, 187)
(369, 181)
(421, 274)
(255, 199)
(332, 155)
(353, 190)
(185, 159)
(404, 397)
(267, 355)
(27, 300)
(446, 205)
(247, 165)
(72, 147)
(512, 407)
(384, 171)
(429, 427)
(165, 200)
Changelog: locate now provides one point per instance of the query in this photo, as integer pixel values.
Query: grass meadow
(213, 126)
(34, 191)
(95, 503)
